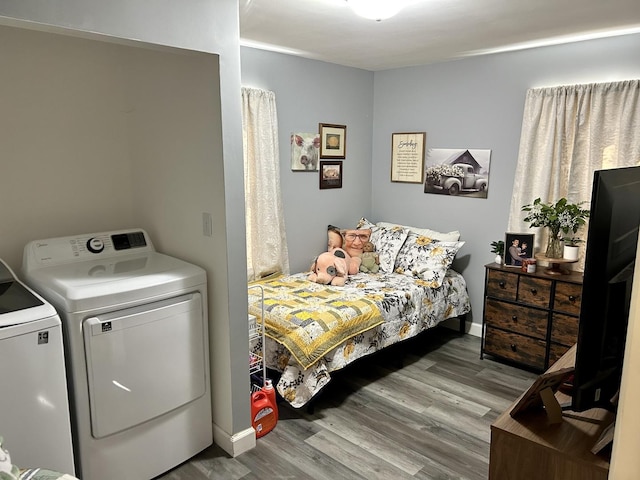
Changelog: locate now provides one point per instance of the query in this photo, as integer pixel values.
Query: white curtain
(568, 132)
(266, 237)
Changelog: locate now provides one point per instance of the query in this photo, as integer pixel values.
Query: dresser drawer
(564, 329)
(556, 351)
(517, 318)
(514, 347)
(534, 291)
(530, 318)
(502, 284)
(567, 298)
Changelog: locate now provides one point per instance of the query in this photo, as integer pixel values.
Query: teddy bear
(370, 261)
(331, 268)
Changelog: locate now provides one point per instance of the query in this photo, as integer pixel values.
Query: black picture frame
(511, 259)
(333, 140)
(330, 174)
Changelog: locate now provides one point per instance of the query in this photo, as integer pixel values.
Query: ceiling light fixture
(376, 9)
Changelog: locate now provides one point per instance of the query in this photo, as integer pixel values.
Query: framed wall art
(407, 157)
(304, 152)
(517, 247)
(463, 172)
(333, 140)
(330, 174)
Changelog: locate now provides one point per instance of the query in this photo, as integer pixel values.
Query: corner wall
(477, 103)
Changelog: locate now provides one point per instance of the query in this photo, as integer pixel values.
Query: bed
(312, 330)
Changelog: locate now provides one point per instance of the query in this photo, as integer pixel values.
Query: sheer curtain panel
(266, 236)
(568, 132)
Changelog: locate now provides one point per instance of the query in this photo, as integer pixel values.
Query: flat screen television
(606, 293)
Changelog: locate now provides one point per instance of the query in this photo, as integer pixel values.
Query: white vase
(498, 260)
(570, 252)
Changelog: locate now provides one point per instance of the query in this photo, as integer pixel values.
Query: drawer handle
(572, 298)
(514, 318)
(514, 347)
(501, 284)
(534, 291)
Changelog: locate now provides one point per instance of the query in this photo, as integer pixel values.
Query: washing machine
(136, 341)
(34, 408)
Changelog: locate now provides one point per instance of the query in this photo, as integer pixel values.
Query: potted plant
(497, 247)
(557, 217)
(571, 247)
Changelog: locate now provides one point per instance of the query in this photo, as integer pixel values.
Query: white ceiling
(427, 31)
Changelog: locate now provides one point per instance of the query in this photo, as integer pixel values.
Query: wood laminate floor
(418, 410)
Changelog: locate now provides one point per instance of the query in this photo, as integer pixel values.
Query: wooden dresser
(530, 319)
(529, 447)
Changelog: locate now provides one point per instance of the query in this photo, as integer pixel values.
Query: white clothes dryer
(34, 408)
(136, 338)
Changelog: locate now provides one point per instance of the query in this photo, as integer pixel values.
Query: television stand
(530, 447)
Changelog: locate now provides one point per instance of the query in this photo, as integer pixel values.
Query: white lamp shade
(376, 9)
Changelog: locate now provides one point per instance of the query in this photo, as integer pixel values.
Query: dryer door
(144, 361)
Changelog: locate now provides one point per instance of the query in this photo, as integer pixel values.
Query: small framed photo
(330, 174)
(534, 398)
(407, 157)
(517, 247)
(333, 140)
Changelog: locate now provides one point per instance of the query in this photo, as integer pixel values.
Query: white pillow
(387, 242)
(453, 236)
(425, 258)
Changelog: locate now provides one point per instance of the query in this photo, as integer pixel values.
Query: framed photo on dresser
(517, 247)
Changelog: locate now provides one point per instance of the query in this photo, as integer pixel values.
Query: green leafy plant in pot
(497, 247)
(557, 217)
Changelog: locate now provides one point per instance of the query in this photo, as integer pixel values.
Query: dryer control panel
(54, 251)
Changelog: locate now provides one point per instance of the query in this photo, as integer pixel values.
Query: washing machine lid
(19, 304)
(114, 281)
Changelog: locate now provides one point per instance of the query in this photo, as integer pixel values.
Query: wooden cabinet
(529, 447)
(530, 319)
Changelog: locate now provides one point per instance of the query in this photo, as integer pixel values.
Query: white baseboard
(236, 444)
(471, 328)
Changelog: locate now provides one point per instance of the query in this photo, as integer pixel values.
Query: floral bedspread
(408, 307)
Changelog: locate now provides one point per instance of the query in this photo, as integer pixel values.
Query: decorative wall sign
(333, 140)
(304, 151)
(407, 157)
(463, 172)
(330, 174)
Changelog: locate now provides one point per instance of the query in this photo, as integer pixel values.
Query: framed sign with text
(407, 157)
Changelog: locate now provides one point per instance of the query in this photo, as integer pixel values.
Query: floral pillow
(387, 242)
(425, 258)
(453, 236)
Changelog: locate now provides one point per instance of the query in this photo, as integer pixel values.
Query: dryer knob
(95, 245)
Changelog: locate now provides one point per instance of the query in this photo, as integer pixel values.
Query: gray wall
(309, 92)
(469, 103)
(477, 103)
